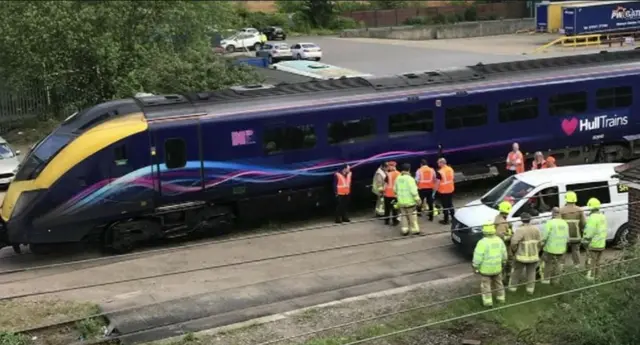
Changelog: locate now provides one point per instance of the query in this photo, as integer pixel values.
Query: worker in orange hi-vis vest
(515, 160)
(426, 179)
(390, 212)
(445, 186)
(343, 191)
(538, 161)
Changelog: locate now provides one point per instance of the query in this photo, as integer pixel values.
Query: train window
(465, 116)
(175, 153)
(518, 110)
(120, 155)
(350, 131)
(289, 138)
(568, 103)
(614, 97)
(411, 123)
(586, 191)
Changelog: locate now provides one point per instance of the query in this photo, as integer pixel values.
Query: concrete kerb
(285, 315)
(446, 31)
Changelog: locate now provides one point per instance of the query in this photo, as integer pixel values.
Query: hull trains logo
(625, 13)
(570, 126)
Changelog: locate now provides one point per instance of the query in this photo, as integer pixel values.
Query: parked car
(275, 52)
(241, 41)
(249, 31)
(274, 33)
(8, 163)
(306, 51)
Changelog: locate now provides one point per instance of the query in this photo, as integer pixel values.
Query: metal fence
(20, 106)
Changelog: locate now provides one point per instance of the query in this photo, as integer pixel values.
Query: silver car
(8, 162)
(275, 52)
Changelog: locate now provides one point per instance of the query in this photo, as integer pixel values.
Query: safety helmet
(504, 207)
(571, 197)
(593, 204)
(489, 229)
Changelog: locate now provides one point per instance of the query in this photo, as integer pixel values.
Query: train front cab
(58, 169)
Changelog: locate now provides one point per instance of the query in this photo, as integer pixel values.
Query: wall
(458, 30)
(382, 18)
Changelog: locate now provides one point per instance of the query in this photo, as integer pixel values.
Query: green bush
(344, 23)
(471, 14)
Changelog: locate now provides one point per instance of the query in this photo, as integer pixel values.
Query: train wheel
(119, 237)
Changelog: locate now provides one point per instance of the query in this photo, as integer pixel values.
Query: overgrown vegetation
(80, 53)
(26, 314)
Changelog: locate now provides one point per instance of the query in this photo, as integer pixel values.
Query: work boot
(444, 222)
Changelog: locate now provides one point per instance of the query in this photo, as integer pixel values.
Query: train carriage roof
(254, 97)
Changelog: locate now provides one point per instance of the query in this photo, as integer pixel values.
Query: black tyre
(270, 60)
(230, 49)
(257, 46)
(118, 239)
(625, 237)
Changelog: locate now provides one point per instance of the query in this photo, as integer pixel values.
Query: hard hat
(489, 229)
(571, 197)
(504, 207)
(593, 203)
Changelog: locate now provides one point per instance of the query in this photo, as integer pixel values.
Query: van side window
(614, 97)
(350, 131)
(289, 138)
(585, 191)
(541, 202)
(465, 116)
(518, 110)
(175, 153)
(411, 123)
(568, 103)
(120, 155)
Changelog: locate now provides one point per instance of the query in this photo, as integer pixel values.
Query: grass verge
(606, 314)
(24, 314)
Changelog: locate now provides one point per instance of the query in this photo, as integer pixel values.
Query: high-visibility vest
(514, 156)
(489, 254)
(391, 180)
(426, 177)
(343, 184)
(406, 191)
(556, 236)
(446, 180)
(595, 231)
(536, 166)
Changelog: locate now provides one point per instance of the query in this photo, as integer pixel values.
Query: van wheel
(231, 49)
(625, 237)
(257, 46)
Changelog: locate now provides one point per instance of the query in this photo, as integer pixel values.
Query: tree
(85, 52)
(389, 4)
(320, 13)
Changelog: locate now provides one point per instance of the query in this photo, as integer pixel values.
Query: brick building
(629, 174)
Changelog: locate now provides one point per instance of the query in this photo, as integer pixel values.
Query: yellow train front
(52, 199)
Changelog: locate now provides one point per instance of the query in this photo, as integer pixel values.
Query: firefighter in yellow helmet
(504, 231)
(525, 244)
(574, 216)
(595, 237)
(489, 258)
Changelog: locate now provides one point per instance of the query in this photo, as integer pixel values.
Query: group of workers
(517, 254)
(401, 195)
(516, 162)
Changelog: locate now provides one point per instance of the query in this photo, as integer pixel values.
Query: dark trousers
(390, 212)
(447, 204)
(342, 208)
(428, 195)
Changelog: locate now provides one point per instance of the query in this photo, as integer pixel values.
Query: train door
(122, 160)
(177, 163)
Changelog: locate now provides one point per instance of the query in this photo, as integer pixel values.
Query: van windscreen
(511, 188)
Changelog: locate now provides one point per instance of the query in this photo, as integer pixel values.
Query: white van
(587, 181)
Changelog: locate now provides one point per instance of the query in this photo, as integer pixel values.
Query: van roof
(583, 173)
